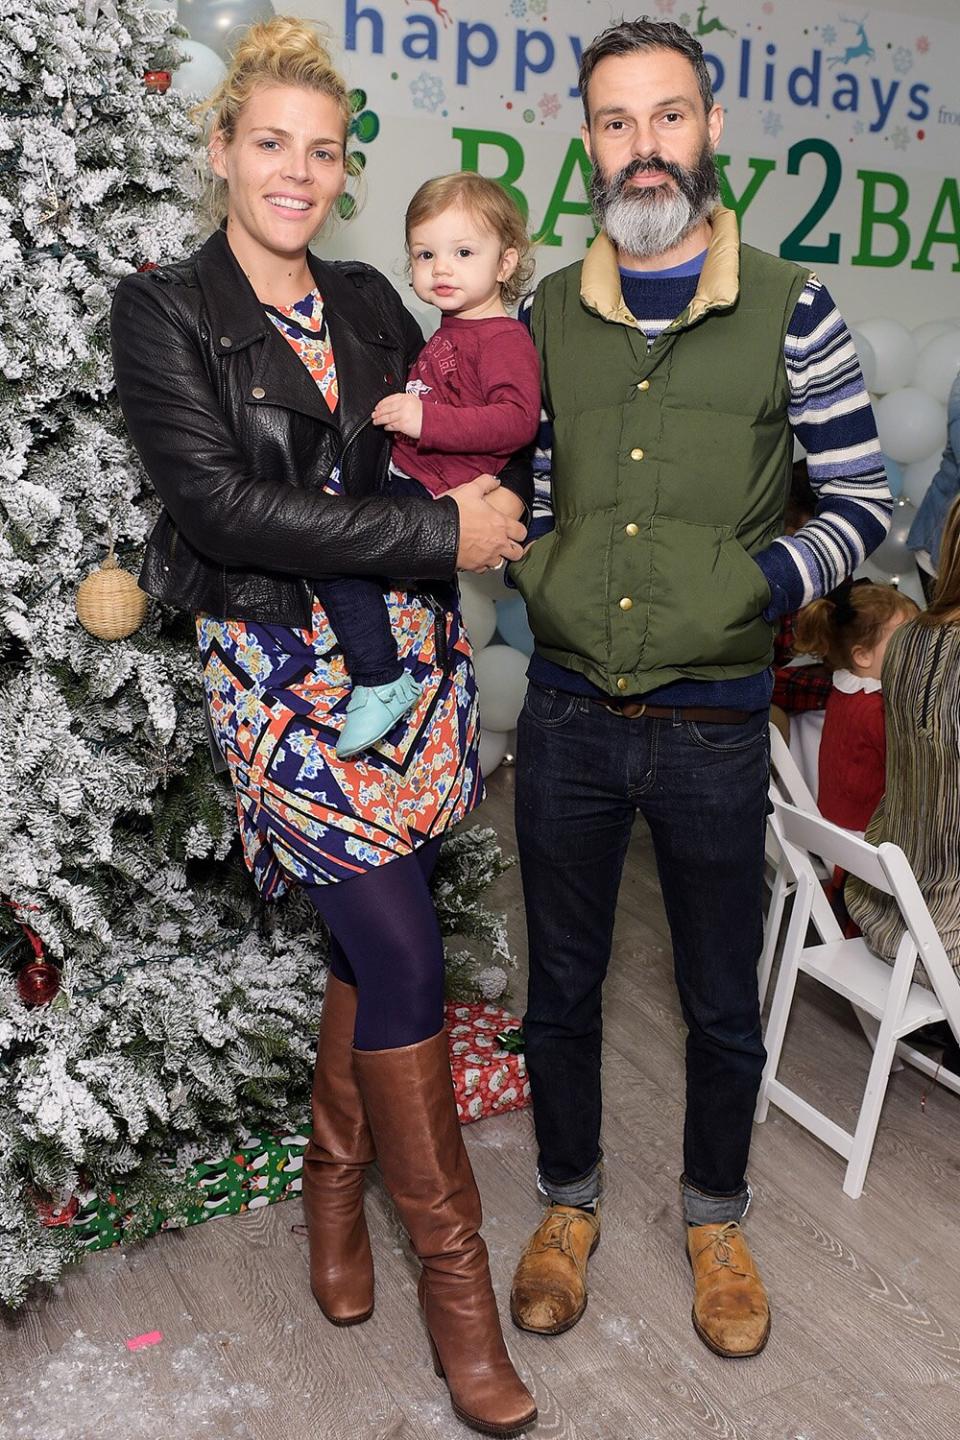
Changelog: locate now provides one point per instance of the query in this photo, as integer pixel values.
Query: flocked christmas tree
(179, 1012)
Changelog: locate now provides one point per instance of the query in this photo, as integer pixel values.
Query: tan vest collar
(718, 287)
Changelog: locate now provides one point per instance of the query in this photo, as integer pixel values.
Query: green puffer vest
(670, 470)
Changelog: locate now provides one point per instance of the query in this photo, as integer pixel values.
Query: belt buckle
(621, 710)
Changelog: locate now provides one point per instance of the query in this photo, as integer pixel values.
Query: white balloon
(866, 356)
(493, 747)
(910, 424)
(917, 477)
(910, 584)
(502, 683)
(895, 352)
(932, 330)
(892, 557)
(201, 71)
(479, 616)
(491, 583)
(939, 365)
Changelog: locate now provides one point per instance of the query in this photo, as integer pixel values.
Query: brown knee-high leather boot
(341, 1265)
(409, 1100)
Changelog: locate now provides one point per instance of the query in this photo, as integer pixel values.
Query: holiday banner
(839, 151)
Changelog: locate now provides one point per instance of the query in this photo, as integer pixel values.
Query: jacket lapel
(237, 320)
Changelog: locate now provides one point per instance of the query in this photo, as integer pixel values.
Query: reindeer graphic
(853, 52)
(707, 27)
(444, 15)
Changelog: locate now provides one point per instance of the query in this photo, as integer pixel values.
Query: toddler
(851, 629)
(472, 399)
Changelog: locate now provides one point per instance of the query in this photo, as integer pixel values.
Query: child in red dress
(850, 629)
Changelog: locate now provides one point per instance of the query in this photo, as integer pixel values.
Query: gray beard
(645, 223)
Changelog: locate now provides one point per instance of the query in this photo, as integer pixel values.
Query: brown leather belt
(633, 709)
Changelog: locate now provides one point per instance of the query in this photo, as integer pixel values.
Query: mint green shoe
(372, 711)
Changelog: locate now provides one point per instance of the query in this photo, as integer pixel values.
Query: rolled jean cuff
(702, 1208)
(575, 1192)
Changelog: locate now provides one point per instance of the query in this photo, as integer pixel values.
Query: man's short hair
(630, 36)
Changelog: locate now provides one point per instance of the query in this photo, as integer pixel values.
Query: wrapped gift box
(488, 1078)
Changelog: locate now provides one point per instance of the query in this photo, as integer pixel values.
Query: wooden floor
(866, 1294)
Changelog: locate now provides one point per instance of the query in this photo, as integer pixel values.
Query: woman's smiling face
(284, 167)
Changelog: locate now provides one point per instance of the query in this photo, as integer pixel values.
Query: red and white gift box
(487, 1079)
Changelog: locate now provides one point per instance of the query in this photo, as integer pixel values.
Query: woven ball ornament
(110, 603)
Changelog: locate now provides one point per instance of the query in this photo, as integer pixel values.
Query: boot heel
(437, 1367)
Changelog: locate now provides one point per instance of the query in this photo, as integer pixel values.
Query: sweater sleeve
(510, 414)
(830, 415)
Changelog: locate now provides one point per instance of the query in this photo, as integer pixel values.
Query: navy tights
(385, 940)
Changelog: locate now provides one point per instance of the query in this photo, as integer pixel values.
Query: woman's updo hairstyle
(278, 51)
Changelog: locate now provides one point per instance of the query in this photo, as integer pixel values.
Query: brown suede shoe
(730, 1309)
(550, 1287)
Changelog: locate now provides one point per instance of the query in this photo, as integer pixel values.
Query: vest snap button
(626, 603)
(636, 454)
(632, 529)
(225, 341)
(258, 392)
(644, 385)
(621, 683)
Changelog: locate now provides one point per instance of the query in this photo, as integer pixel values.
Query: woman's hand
(487, 538)
(400, 414)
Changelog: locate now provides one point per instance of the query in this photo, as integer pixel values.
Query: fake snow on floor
(95, 1388)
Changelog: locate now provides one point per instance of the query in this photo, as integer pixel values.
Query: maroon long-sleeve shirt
(479, 381)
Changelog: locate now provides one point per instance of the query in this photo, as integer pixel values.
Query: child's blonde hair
(278, 51)
(486, 201)
(852, 617)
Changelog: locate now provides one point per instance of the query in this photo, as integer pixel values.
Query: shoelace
(722, 1253)
(556, 1233)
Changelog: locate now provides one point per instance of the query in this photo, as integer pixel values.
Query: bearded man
(678, 364)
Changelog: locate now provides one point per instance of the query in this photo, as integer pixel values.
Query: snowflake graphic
(923, 44)
(427, 91)
(519, 9)
(900, 138)
(772, 123)
(858, 127)
(767, 7)
(537, 7)
(902, 60)
(666, 6)
(549, 106)
(828, 34)
(684, 19)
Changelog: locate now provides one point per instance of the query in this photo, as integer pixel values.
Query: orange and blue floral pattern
(304, 327)
(277, 698)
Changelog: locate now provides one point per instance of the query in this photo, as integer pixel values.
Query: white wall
(904, 94)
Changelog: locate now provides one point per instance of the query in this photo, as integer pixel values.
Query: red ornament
(38, 982)
(157, 81)
(52, 1214)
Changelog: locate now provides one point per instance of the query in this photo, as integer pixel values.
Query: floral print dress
(277, 698)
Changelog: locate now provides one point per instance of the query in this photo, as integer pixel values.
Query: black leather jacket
(238, 440)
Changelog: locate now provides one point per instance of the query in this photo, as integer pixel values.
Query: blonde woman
(248, 375)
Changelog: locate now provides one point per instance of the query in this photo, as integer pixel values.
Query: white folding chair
(886, 992)
(786, 783)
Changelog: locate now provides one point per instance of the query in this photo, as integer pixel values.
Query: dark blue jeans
(583, 773)
(357, 611)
